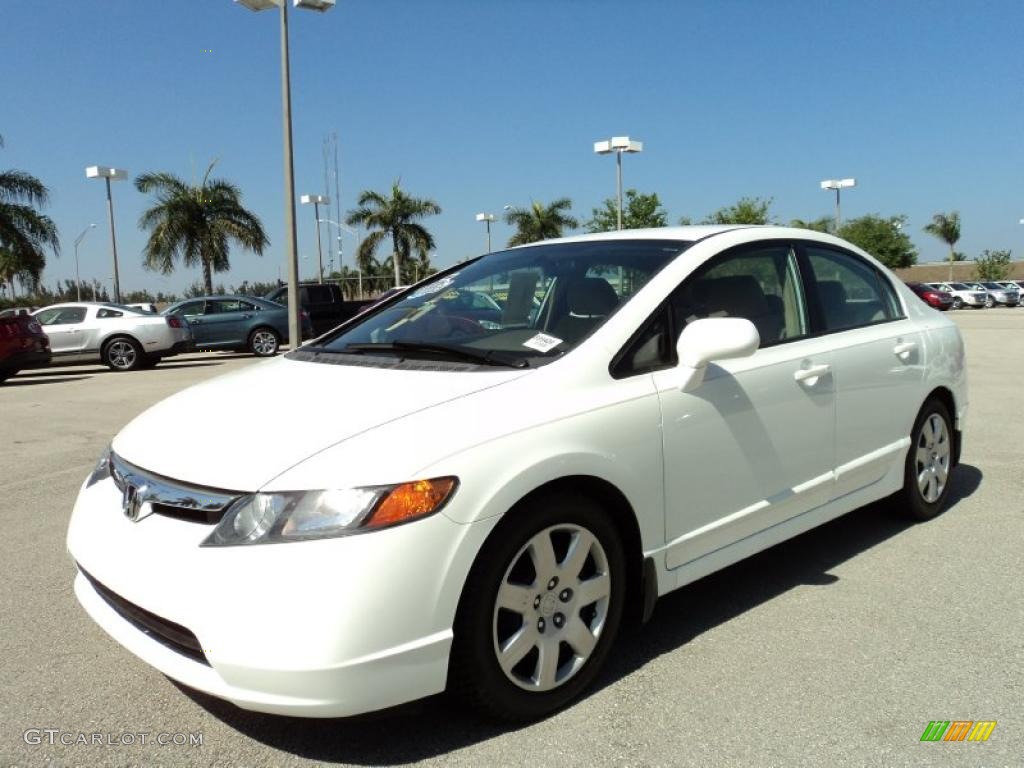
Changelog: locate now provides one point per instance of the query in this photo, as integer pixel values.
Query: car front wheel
(990, 302)
(958, 303)
(122, 354)
(929, 462)
(540, 610)
(263, 342)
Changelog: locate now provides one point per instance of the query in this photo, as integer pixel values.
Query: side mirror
(713, 338)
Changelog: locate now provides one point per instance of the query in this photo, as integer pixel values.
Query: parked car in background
(324, 302)
(23, 344)
(1014, 285)
(241, 323)
(122, 338)
(997, 294)
(931, 296)
(963, 296)
(12, 311)
(496, 503)
(145, 307)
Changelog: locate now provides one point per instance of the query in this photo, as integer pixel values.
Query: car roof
(694, 233)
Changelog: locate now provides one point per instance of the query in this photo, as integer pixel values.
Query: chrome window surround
(169, 497)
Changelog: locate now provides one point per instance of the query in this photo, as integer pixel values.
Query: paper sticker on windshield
(440, 285)
(542, 342)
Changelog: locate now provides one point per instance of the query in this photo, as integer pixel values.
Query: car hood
(239, 431)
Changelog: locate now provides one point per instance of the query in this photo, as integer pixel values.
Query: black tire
(914, 501)
(475, 675)
(263, 342)
(989, 302)
(122, 353)
(958, 303)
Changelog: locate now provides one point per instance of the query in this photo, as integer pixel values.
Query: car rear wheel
(929, 462)
(264, 342)
(123, 354)
(540, 609)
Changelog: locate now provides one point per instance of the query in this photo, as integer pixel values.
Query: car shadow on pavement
(20, 381)
(435, 726)
(176, 366)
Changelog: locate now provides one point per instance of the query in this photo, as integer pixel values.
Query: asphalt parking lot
(836, 648)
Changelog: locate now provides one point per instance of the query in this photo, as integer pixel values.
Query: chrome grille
(170, 498)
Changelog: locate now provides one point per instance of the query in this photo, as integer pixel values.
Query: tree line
(197, 225)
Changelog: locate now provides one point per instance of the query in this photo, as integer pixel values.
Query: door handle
(903, 348)
(810, 375)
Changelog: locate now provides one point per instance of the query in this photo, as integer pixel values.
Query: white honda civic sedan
(480, 504)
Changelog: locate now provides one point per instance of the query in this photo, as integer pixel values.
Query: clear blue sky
(482, 103)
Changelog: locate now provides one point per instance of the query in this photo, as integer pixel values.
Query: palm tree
(196, 223)
(540, 222)
(394, 217)
(946, 227)
(25, 233)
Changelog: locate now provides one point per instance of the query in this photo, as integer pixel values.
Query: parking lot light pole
(108, 175)
(78, 279)
(837, 185)
(294, 326)
(486, 218)
(618, 145)
(315, 201)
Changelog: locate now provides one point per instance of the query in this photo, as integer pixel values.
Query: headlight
(265, 518)
(101, 471)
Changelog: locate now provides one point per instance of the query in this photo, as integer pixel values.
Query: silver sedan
(121, 337)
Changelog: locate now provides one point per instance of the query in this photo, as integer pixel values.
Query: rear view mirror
(709, 339)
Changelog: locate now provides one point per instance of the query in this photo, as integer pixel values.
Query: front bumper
(316, 629)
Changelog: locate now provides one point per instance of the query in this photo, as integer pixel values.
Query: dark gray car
(236, 322)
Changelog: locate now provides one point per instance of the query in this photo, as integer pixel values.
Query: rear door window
(851, 293)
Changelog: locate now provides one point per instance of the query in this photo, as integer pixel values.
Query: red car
(22, 345)
(933, 298)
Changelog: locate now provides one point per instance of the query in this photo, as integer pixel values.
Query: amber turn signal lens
(411, 500)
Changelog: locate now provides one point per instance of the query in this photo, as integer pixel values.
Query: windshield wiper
(488, 357)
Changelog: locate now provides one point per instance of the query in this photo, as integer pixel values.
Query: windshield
(517, 307)
(995, 286)
(958, 287)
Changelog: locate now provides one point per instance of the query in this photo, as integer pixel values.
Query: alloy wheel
(121, 354)
(264, 343)
(933, 458)
(551, 607)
